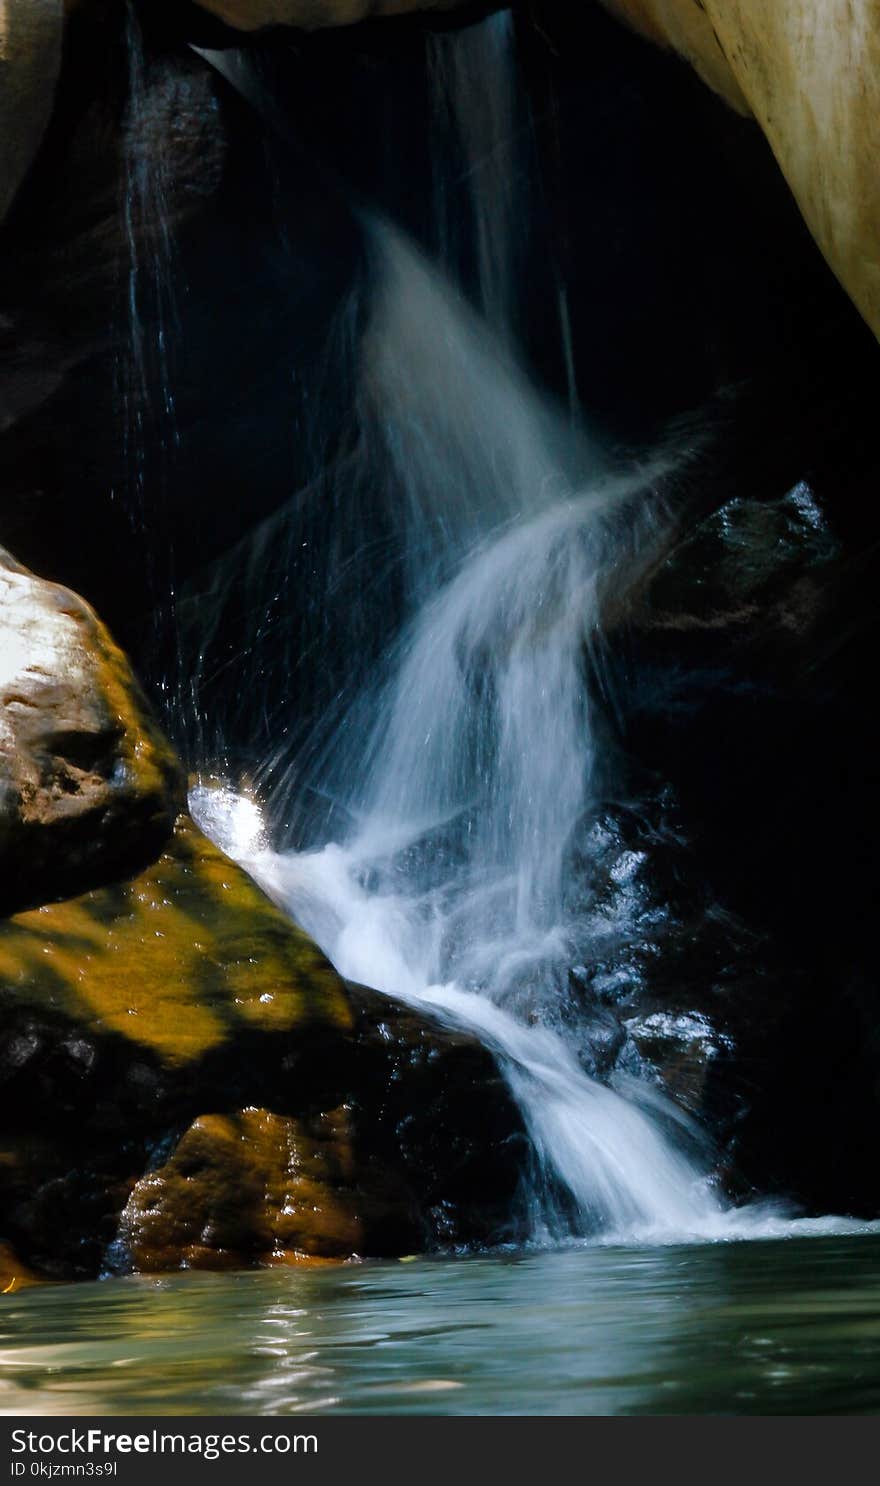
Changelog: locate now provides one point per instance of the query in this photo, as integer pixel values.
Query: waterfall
(467, 764)
(477, 102)
(464, 766)
(144, 372)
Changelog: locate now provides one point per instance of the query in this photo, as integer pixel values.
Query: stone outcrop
(30, 60)
(809, 72)
(311, 15)
(89, 788)
(322, 1119)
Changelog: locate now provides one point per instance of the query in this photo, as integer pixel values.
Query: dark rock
(741, 687)
(30, 60)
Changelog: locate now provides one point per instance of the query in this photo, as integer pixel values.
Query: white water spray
(449, 890)
(465, 767)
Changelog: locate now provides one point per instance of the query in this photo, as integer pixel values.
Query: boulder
(255, 1187)
(89, 788)
(809, 72)
(30, 61)
(132, 1010)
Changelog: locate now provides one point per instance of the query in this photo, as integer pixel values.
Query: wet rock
(254, 1187)
(666, 977)
(430, 1102)
(89, 788)
(603, 1042)
(681, 1046)
(742, 689)
(719, 664)
(177, 961)
(130, 1011)
(14, 1275)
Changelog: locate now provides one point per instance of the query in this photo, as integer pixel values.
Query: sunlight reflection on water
(791, 1326)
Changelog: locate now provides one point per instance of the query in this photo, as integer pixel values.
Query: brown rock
(255, 1187)
(14, 1275)
(89, 788)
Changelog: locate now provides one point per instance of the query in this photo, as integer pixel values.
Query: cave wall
(30, 60)
(809, 72)
(699, 307)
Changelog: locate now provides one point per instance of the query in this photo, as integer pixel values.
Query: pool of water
(765, 1327)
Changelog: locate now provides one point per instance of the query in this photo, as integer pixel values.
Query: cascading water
(477, 102)
(449, 890)
(464, 766)
(144, 372)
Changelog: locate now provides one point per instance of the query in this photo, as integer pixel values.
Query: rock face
(685, 26)
(311, 15)
(89, 788)
(809, 71)
(30, 60)
(742, 686)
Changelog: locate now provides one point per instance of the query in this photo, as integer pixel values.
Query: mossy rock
(252, 1187)
(131, 1010)
(178, 960)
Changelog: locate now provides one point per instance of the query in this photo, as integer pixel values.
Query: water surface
(767, 1327)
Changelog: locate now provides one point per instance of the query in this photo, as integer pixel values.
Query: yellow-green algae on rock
(186, 1081)
(177, 959)
(252, 1186)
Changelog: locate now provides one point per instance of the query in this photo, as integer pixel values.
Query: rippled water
(771, 1327)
